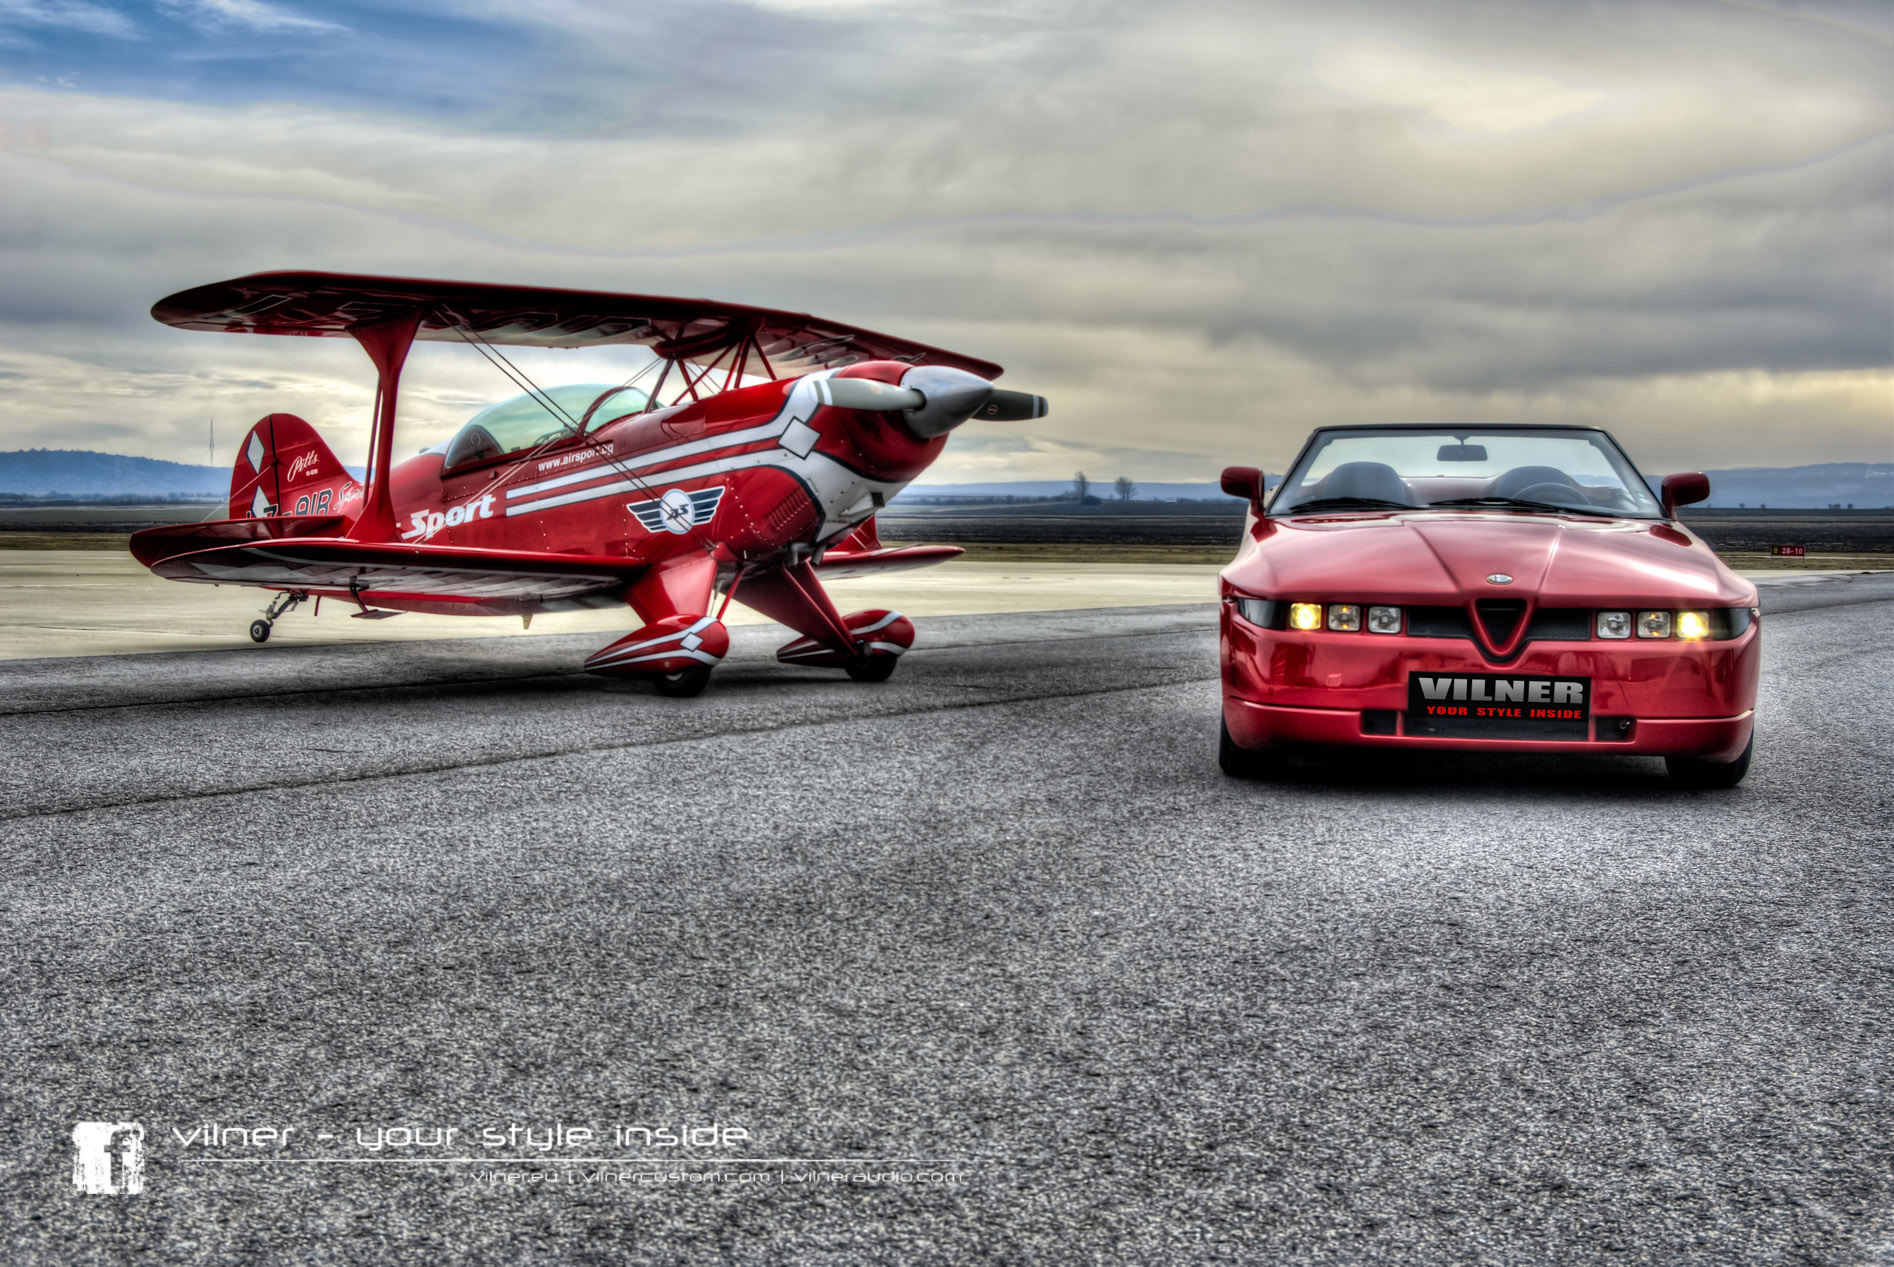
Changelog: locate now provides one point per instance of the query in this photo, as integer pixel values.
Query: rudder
(284, 467)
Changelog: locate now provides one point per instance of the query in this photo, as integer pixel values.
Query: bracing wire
(524, 381)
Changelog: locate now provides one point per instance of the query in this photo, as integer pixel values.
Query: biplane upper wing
(334, 304)
(412, 577)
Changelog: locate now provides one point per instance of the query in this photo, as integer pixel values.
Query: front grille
(1614, 729)
(1482, 728)
(1499, 617)
(1378, 721)
(1560, 624)
(1438, 622)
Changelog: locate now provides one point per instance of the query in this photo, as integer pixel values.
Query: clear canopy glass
(1548, 470)
(526, 421)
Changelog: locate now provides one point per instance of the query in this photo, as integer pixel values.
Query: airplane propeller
(940, 399)
(864, 393)
(1010, 406)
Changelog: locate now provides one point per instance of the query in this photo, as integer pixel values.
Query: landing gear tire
(1237, 761)
(874, 668)
(684, 683)
(259, 631)
(1698, 773)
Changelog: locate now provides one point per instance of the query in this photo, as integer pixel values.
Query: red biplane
(747, 485)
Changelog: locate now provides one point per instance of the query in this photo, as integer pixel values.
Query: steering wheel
(1556, 494)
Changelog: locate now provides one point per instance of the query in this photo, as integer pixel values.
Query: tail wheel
(1237, 761)
(685, 682)
(259, 631)
(1696, 772)
(873, 668)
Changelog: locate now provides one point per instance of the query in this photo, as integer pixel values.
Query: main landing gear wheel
(1237, 761)
(259, 631)
(684, 683)
(874, 668)
(1696, 772)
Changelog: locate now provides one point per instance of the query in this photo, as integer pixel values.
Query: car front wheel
(1696, 772)
(1237, 761)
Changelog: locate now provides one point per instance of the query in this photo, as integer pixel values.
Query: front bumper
(1656, 698)
(1262, 725)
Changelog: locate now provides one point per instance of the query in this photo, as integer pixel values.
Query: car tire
(685, 682)
(1696, 772)
(1237, 761)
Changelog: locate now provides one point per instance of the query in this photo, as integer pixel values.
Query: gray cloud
(1199, 229)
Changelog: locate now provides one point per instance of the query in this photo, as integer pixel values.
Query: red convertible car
(1509, 588)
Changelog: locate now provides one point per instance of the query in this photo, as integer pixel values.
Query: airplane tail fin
(284, 468)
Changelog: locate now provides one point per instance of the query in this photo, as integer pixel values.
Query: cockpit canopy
(526, 421)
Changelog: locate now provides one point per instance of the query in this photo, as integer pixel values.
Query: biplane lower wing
(446, 579)
(843, 563)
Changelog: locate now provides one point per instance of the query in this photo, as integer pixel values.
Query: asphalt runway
(988, 963)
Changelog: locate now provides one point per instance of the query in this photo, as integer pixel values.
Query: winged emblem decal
(678, 511)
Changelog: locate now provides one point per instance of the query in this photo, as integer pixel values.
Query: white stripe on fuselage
(799, 405)
(838, 489)
(657, 457)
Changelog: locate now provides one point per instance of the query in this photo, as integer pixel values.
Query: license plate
(1498, 704)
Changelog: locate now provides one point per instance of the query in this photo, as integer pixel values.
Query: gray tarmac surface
(999, 918)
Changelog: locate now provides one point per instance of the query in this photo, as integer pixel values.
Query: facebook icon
(110, 1158)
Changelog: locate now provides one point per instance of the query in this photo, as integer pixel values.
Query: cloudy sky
(1199, 228)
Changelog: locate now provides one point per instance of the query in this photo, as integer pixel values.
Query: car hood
(1448, 558)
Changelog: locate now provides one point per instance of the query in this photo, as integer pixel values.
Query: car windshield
(525, 421)
(1554, 470)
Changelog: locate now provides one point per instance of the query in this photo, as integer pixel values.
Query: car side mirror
(1246, 482)
(1684, 490)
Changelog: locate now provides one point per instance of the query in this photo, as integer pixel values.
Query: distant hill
(82, 473)
(1865, 484)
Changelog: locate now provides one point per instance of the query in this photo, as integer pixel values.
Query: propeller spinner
(933, 399)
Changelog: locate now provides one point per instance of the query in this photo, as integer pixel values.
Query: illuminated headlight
(1344, 617)
(1614, 624)
(1693, 625)
(1305, 615)
(1653, 624)
(1384, 620)
(1258, 611)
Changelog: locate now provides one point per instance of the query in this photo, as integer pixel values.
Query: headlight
(1260, 612)
(1344, 617)
(1384, 620)
(1693, 625)
(1653, 624)
(1614, 624)
(1305, 615)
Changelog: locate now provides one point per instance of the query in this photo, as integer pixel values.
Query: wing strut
(387, 344)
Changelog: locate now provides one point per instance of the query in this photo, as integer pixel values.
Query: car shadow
(1404, 771)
